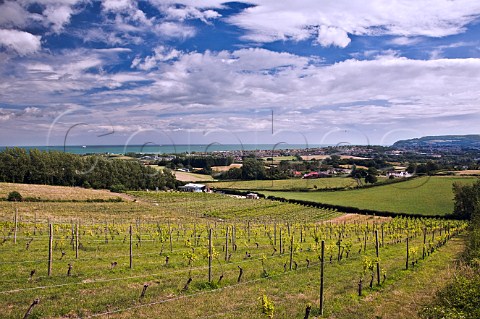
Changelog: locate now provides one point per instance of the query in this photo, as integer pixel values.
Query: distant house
(297, 173)
(315, 175)
(399, 174)
(194, 188)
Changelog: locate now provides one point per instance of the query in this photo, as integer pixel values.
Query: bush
(14, 197)
(118, 188)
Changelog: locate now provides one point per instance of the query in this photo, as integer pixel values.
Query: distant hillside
(445, 141)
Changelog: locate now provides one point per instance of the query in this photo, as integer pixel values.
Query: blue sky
(304, 72)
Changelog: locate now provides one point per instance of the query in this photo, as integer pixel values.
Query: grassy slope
(55, 192)
(426, 195)
(405, 298)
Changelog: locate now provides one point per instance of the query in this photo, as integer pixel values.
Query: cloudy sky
(266, 71)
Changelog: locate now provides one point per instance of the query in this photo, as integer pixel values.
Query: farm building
(195, 188)
(252, 196)
(315, 175)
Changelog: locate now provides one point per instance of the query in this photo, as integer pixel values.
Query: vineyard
(176, 255)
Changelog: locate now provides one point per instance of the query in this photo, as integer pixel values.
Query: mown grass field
(170, 245)
(55, 192)
(425, 195)
(187, 176)
(287, 184)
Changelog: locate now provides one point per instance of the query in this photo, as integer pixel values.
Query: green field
(170, 232)
(287, 184)
(426, 196)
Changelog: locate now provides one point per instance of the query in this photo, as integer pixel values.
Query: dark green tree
(467, 200)
(253, 168)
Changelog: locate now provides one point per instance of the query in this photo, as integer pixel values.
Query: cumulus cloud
(21, 42)
(175, 30)
(181, 14)
(161, 54)
(404, 41)
(330, 22)
(332, 36)
(58, 17)
(12, 14)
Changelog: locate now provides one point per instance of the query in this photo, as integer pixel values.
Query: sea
(166, 149)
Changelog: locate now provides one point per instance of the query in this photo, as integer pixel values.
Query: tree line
(18, 165)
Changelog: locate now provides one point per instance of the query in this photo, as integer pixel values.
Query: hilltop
(443, 141)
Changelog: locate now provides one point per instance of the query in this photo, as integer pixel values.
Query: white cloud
(331, 21)
(58, 17)
(12, 14)
(404, 41)
(328, 36)
(232, 89)
(21, 42)
(161, 54)
(175, 30)
(181, 14)
(117, 5)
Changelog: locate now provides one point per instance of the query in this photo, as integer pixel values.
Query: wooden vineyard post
(291, 252)
(131, 247)
(170, 235)
(210, 251)
(322, 265)
(72, 240)
(76, 240)
(195, 234)
(424, 242)
(226, 244)
(34, 303)
(406, 263)
(50, 247)
(378, 260)
(281, 241)
(106, 232)
(15, 221)
(275, 234)
(365, 241)
(382, 236)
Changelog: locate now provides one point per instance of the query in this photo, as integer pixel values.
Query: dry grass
(192, 177)
(55, 192)
(225, 168)
(468, 172)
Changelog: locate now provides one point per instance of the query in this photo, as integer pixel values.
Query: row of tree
(57, 168)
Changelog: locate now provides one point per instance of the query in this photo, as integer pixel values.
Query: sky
(122, 72)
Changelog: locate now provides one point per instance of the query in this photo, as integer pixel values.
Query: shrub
(117, 188)
(14, 197)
